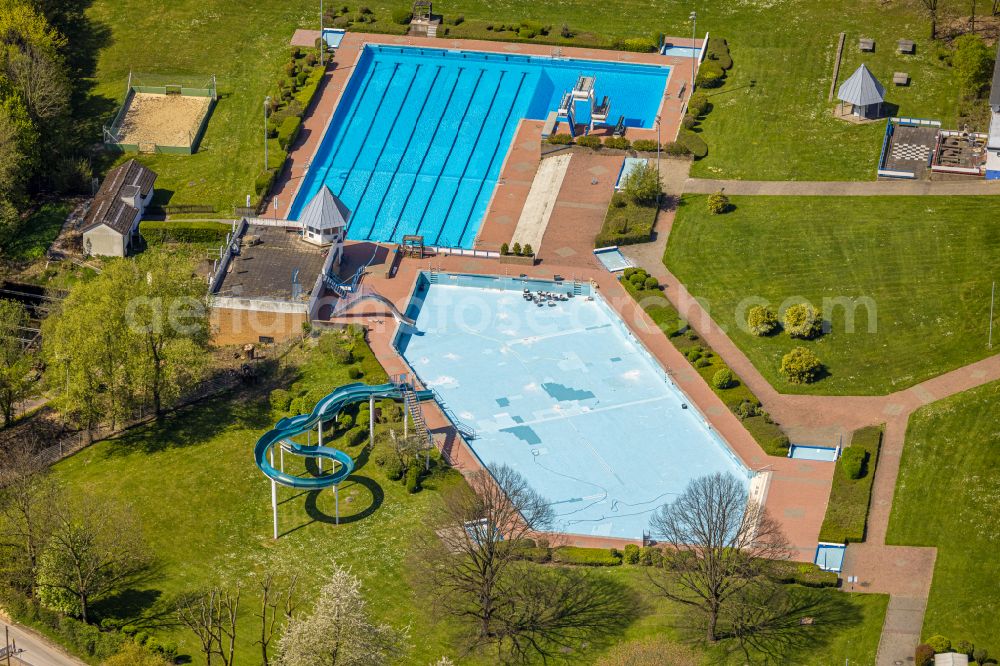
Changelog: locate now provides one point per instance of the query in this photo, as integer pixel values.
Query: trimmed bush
(517, 249)
(344, 421)
(527, 251)
(587, 557)
(676, 148)
(803, 321)
(762, 320)
(698, 104)
(639, 45)
(630, 553)
(939, 643)
(280, 400)
(689, 121)
(526, 33)
(262, 184)
(964, 647)
(617, 143)
(803, 573)
(923, 655)
(801, 366)
(694, 143)
(710, 75)
(724, 379)
(394, 469)
(650, 556)
(413, 480)
(504, 248)
(354, 372)
(644, 145)
(718, 203)
(288, 131)
(560, 139)
(650, 283)
(852, 462)
(981, 655)
(588, 141)
(180, 231)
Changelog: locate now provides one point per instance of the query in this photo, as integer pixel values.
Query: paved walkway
(904, 573)
(33, 649)
(844, 188)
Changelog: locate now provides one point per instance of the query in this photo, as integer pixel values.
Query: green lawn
(847, 513)
(946, 496)
(777, 129)
(925, 263)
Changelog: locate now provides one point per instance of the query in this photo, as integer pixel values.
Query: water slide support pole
(336, 504)
(274, 499)
(371, 420)
(319, 461)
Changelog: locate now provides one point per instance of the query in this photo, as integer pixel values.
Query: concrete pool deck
(514, 172)
(799, 489)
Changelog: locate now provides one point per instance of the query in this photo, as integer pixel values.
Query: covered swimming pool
(418, 138)
(564, 394)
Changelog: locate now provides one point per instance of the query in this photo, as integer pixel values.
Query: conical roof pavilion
(862, 89)
(325, 212)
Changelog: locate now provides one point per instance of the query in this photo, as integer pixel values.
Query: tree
(15, 361)
(27, 500)
(642, 185)
(339, 631)
(473, 569)
(801, 366)
(803, 321)
(973, 63)
(94, 551)
(721, 543)
(213, 616)
(270, 598)
(133, 654)
(932, 7)
(762, 320)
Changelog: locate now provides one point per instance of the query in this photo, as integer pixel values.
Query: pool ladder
(577, 288)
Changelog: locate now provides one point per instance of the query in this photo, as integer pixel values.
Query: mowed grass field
(777, 129)
(915, 271)
(946, 496)
(205, 511)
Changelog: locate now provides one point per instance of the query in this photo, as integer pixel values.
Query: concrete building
(993, 142)
(112, 222)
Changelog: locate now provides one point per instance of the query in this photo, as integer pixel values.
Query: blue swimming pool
(563, 394)
(418, 138)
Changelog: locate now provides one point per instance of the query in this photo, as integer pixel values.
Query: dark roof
(995, 90)
(108, 207)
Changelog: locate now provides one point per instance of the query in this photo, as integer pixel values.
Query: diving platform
(599, 112)
(584, 88)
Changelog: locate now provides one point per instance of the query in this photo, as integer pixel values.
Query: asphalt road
(35, 650)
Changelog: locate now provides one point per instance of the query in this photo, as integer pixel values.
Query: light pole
(659, 184)
(322, 39)
(694, 61)
(267, 105)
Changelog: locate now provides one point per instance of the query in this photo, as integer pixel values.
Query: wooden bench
(901, 78)
(866, 44)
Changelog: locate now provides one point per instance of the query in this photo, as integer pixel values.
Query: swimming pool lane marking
(388, 135)
(406, 150)
(354, 112)
(368, 132)
(493, 157)
(430, 146)
(496, 147)
(451, 149)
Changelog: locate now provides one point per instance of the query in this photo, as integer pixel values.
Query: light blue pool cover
(830, 556)
(419, 135)
(612, 259)
(333, 37)
(565, 396)
(823, 453)
(680, 51)
(628, 166)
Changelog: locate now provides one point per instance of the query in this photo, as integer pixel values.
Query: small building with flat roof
(112, 222)
(993, 140)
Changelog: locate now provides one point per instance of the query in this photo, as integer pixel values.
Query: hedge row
(589, 557)
(847, 511)
(737, 397)
(157, 233)
(803, 573)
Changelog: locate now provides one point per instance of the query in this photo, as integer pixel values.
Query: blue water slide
(326, 409)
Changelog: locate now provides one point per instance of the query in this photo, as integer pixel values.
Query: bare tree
(720, 544)
(228, 617)
(270, 598)
(94, 550)
(40, 81)
(477, 574)
(339, 632)
(27, 500)
(932, 10)
(198, 613)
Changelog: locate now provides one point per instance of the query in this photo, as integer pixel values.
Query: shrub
(565, 32)
(413, 480)
(262, 184)
(504, 248)
(560, 139)
(642, 186)
(710, 75)
(964, 647)
(639, 45)
(747, 409)
(724, 60)
(290, 69)
(675, 148)
(724, 379)
(803, 321)
(592, 142)
(180, 231)
(939, 643)
(644, 145)
(689, 121)
(526, 33)
(801, 366)
(638, 277)
(650, 283)
(354, 372)
(345, 421)
(981, 655)
(280, 400)
(390, 411)
(618, 200)
(923, 655)
(588, 557)
(718, 203)
(527, 251)
(650, 556)
(517, 249)
(394, 469)
(300, 78)
(698, 104)
(288, 131)
(458, 20)
(356, 435)
(973, 63)
(762, 320)
(694, 143)
(853, 461)
(617, 143)
(803, 573)
(630, 553)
